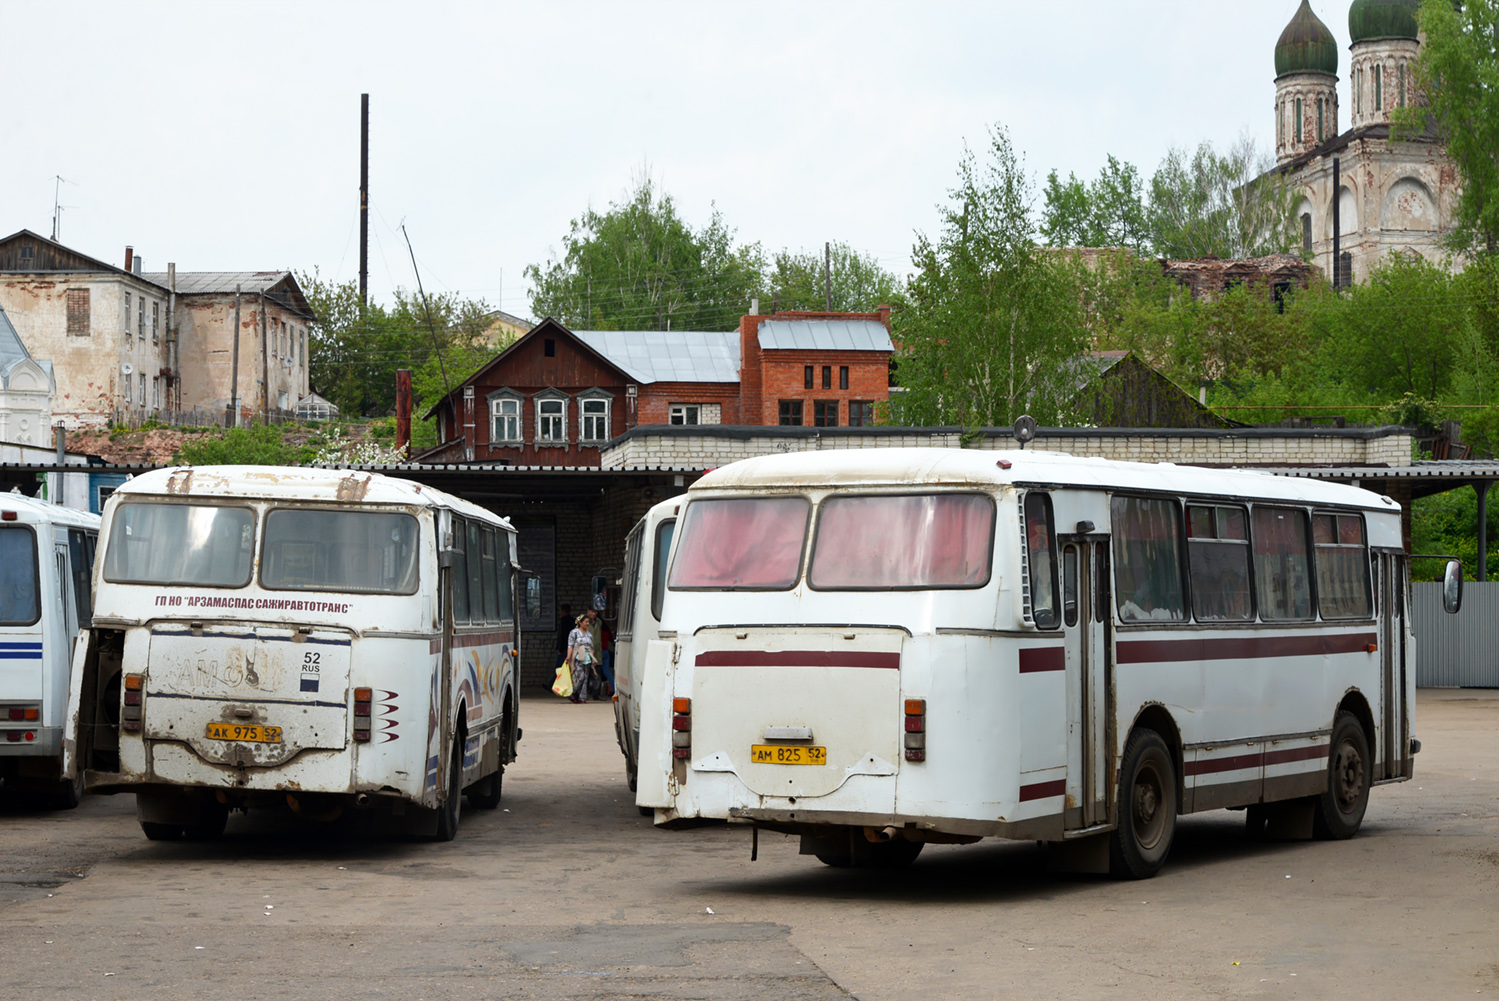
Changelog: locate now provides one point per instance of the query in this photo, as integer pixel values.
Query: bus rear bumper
(45, 742)
(936, 830)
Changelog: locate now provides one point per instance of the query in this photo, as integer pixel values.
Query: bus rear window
(19, 605)
(364, 552)
(741, 543)
(206, 545)
(875, 542)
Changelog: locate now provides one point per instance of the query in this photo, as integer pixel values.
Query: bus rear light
(24, 713)
(362, 699)
(915, 730)
(30, 735)
(130, 712)
(681, 728)
(14, 736)
(7, 516)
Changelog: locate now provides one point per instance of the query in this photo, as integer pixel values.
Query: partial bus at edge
(881, 649)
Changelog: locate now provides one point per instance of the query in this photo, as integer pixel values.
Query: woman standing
(580, 655)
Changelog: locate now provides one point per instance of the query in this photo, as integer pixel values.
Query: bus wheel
(897, 853)
(1340, 810)
(452, 805)
(1147, 808)
(210, 826)
(68, 792)
(485, 793)
(161, 832)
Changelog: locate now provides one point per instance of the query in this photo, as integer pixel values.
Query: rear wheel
(68, 792)
(1147, 808)
(1340, 809)
(161, 832)
(854, 851)
(452, 805)
(485, 793)
(210, 827)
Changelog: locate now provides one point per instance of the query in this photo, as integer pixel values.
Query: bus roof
(32, 511)
(930, 467)
(297, 483)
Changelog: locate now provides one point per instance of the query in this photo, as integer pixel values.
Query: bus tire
(210, 825)
(1147, 808)
(1340, 808)
(452, 805)
(67, 793)
(155, 831)
(485, 793)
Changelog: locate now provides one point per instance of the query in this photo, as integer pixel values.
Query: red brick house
(555, 396)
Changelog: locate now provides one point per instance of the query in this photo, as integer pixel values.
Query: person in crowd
(580, 655)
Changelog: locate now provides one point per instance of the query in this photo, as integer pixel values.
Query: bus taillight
(130, 712)
(915, 729)
(681, 728)
(362, 699)
(24, 713)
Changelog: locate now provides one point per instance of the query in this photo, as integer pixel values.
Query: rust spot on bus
(180, 483)
(353, 488)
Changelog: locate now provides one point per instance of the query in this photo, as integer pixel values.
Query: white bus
(878, 649)
(46, 563)
(642, 593)
(316, 638)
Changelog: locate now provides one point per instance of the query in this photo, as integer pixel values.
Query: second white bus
(880, 649)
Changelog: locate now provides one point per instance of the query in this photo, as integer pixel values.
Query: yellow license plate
(782, 754)
(253, 733)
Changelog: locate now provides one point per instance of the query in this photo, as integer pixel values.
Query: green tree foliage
(1229, 205)
(994, 324)
(859, 284)
(258, 445)
(639, 266)
(355, 353)
(1458, 72)
(1108, 212)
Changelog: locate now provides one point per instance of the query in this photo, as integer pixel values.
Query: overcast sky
(225, 136)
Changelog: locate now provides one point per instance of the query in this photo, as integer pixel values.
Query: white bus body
(877, 649)
(642, 594)
(46, 558)
(313, 637)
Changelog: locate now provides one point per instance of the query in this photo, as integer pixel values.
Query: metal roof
(824, 335)
(1425, 469)
(668, 355)
(200, 282)
(11, 348)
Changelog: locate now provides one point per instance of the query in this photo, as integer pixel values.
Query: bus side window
(1101, 575)
(626, 622)
(1282, 574)
(1069, 586)
(1218, 560)
(1147, 560)
(1342, 566)
(1041, 560)
(459, 577)
(491, 575)
(664, 533)
(475, 573)
(507, 580)
(81, 564)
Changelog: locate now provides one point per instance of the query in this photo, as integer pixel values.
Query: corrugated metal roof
(824, 335)
(668, 355)
(199, 282)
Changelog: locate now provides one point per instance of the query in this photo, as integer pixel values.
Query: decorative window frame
(494, 399)
(549, 396)
(592, 396)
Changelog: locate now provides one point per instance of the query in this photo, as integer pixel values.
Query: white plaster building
(1391, 196)
(26, 388)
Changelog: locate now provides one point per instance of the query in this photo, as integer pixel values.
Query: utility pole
(265, 367)
(231, 419)
(364, 199)
(827, 273)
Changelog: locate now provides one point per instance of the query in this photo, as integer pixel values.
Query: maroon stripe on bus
(1042, 658)
(1241, 647)
(797, 658)
(1043, 790)
(1236, 762)
(483, 639)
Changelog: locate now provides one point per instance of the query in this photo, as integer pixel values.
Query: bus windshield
(18, 592)
(749, 543)
(182, 544)
(367, 552)
(903, 542)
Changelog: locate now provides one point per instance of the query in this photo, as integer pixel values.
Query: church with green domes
(1391, 196)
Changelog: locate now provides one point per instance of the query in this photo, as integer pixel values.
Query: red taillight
(7, 516)
(30, 735)
(915, 729)
(681, 728)
(363, 697)
(15, 712)
(130, 712)
(13, 736)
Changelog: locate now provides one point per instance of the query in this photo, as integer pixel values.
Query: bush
(258, 445)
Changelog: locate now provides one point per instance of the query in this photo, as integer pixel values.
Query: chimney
(138, 260)
(884, 312)
(129, 257)
(754, 307)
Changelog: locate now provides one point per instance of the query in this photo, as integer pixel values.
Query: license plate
(781, 754)
(253, 733)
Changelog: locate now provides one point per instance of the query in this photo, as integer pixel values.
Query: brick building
(555, 396)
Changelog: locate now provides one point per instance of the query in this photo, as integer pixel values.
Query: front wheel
(1147, 808)
(1340, 809)
(452, 805)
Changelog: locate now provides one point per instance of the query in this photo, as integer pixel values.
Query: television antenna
(57, 205)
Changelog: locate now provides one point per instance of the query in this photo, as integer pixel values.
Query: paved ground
(568, 893)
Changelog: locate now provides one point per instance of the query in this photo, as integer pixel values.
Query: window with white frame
(504, 419)
(594, 414)
(155, 320)
(156, 391)
(127, 316)
(685, 413)
(551, 422)
(143, 389)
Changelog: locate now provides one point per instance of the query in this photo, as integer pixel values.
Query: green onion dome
(1306, 46)
(1372, 19)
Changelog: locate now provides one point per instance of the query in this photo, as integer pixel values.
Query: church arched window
(1402, 85)
(1298, 119)
(1378, 90)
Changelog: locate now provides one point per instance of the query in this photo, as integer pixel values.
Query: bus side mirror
(1452, 587)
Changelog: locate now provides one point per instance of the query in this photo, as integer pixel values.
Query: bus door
(1085, 605)
(1393, 722)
